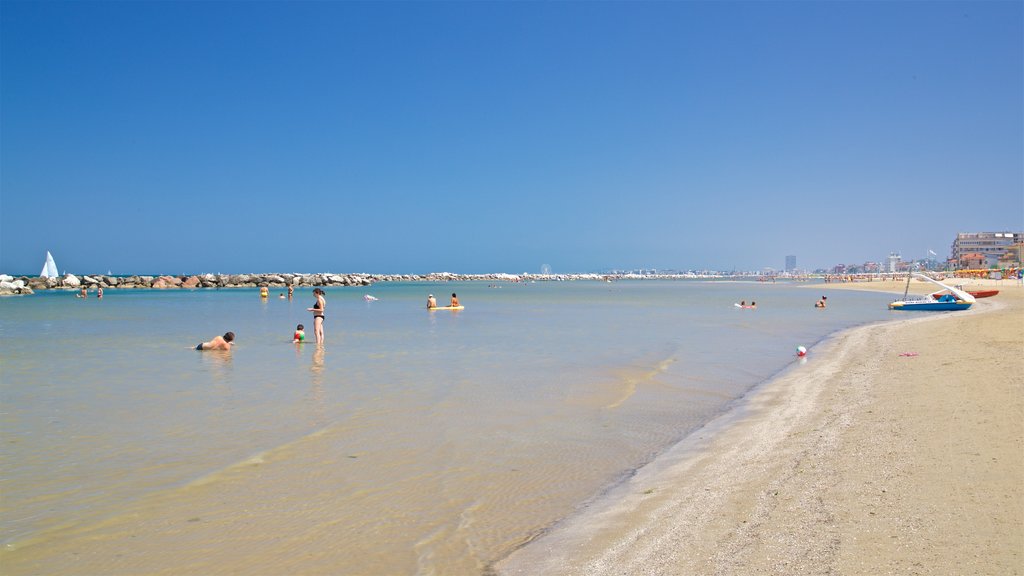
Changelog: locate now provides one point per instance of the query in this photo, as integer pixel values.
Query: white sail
(49, 268)
(960, 294)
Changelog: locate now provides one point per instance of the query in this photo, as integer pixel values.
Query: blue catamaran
(954, 299)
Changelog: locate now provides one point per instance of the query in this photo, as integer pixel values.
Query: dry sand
(862, 460)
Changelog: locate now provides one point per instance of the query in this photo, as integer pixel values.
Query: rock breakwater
(28, 284)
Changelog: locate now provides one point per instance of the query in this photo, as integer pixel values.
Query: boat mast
(906, 290)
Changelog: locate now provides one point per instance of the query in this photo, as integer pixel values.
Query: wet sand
(896, 448)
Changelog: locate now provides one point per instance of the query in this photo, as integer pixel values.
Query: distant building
(990, 245)
(790, 263)
(1012, 257)
(972, 261)
(893, 262)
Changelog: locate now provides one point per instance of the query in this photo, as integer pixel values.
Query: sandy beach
(896, 448)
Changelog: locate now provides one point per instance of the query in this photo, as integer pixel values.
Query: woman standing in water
(318, 315)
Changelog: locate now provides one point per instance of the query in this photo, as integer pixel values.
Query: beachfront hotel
(983, 249)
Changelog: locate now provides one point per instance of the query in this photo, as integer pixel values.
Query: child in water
(300, 334)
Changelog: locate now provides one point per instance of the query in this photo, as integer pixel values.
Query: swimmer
(300, 334)
(99, 291)
(264, 292)
(821, 303)
(431, 301)
(455, 301)
(218, 342)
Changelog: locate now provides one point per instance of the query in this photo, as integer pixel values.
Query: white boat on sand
(953, 299)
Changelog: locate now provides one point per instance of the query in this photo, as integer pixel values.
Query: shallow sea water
(412, 442)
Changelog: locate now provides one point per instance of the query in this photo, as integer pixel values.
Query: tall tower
(894, 260)
(790, 263)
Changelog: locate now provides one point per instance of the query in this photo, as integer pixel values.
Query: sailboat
(49, 267)
(956, 299)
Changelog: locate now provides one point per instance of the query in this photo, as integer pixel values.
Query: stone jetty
(27, 285)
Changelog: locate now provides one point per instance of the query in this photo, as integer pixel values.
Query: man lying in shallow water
(218, 342)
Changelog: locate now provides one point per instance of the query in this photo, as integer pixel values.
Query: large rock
(166, 282)
(191, 282)
(72, 281)
(11, 287)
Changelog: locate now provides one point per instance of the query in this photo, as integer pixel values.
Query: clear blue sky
(189, 137)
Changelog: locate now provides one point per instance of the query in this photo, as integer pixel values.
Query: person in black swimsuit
(318, 315)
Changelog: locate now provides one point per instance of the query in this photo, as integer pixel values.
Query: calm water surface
(413, 442)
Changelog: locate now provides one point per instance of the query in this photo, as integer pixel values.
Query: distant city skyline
(407, 137)
(883, 264)
(545, 268)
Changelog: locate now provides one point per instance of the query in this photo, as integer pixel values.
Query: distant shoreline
(283, 280)
(14, 285)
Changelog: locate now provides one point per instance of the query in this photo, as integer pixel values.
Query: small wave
(631, 379)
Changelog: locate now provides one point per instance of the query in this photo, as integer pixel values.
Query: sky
(474, 137)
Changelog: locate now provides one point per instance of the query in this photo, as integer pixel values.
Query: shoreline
(10, 285)
(862, 461)
(25, 285)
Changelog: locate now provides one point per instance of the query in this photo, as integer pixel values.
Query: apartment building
(989, 245)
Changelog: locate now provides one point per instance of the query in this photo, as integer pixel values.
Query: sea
(410, 442)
